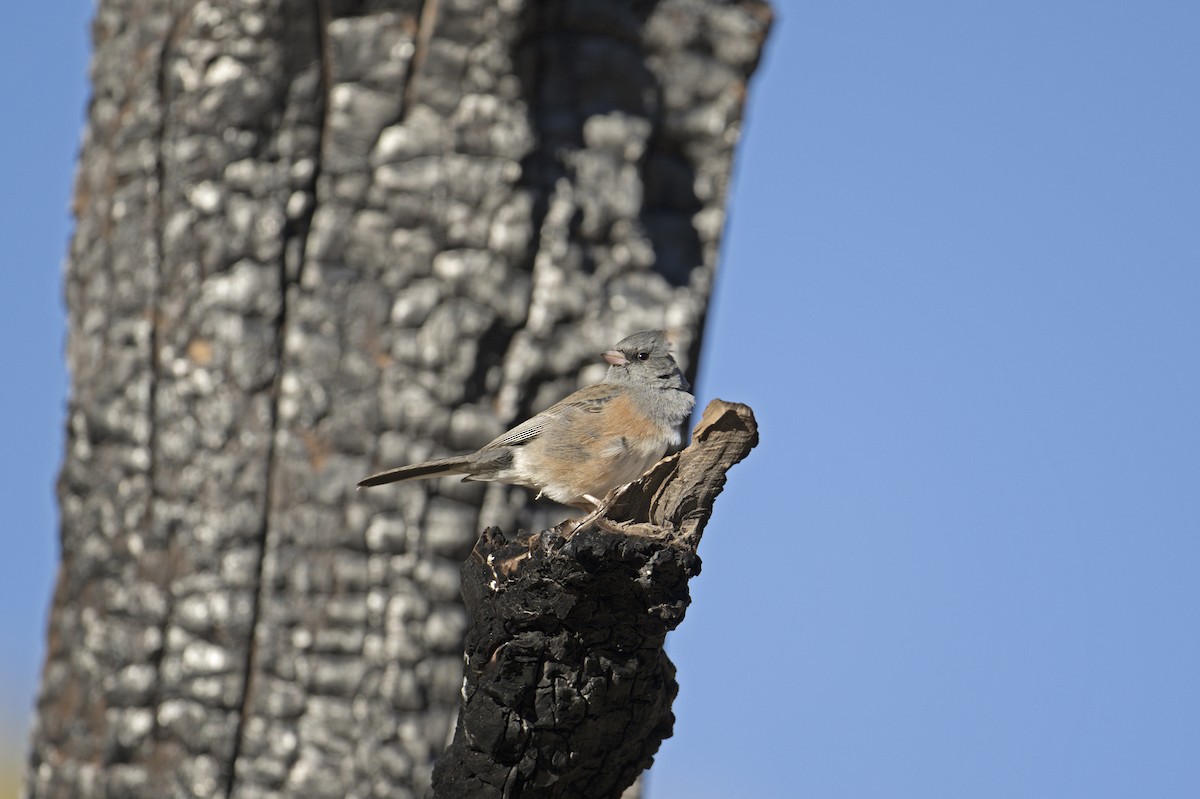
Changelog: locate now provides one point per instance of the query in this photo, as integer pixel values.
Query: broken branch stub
(567, 690)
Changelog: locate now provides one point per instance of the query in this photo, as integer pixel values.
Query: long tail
(418, 471)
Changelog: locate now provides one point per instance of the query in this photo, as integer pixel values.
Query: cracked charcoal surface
(314, 239)
(568, 691)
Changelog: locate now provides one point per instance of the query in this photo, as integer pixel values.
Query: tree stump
(567, 690)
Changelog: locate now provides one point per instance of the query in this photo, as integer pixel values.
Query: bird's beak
(614, 357)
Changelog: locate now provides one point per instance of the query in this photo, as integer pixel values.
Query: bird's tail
(418, 471)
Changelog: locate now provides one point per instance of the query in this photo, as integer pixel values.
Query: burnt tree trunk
(316, 237)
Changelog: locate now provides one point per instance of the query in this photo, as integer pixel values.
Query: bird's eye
(641, 356)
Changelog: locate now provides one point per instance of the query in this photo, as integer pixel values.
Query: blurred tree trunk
(316, 238)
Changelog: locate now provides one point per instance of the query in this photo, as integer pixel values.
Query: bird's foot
(596, 515)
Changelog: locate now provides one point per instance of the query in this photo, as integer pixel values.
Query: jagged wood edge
(676, 496)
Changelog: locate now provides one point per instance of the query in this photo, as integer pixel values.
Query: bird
(580, 450)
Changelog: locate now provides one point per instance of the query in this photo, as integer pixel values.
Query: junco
(580, 449)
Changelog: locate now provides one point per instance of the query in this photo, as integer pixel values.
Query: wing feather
(586, 400)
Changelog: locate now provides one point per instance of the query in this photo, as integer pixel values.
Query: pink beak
(614, 357)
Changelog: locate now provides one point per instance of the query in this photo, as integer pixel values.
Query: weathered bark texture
(316, 237)
(568, 691)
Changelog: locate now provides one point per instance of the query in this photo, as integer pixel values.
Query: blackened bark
(316, 237)
(568, 690)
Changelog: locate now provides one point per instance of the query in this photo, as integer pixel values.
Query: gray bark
(315, 238)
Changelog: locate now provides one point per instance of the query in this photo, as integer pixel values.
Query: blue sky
(43, 58)
(961, 290)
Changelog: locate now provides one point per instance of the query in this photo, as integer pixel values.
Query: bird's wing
(585, 400)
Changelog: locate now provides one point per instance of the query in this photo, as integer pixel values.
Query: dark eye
(641, 356)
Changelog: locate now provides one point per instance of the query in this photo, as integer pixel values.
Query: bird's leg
(596, 513)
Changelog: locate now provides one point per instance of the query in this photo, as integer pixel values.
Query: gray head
(645, 359)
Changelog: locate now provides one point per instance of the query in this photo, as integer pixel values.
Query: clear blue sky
(961, 290)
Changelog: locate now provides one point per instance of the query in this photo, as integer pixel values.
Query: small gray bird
(580, 449)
